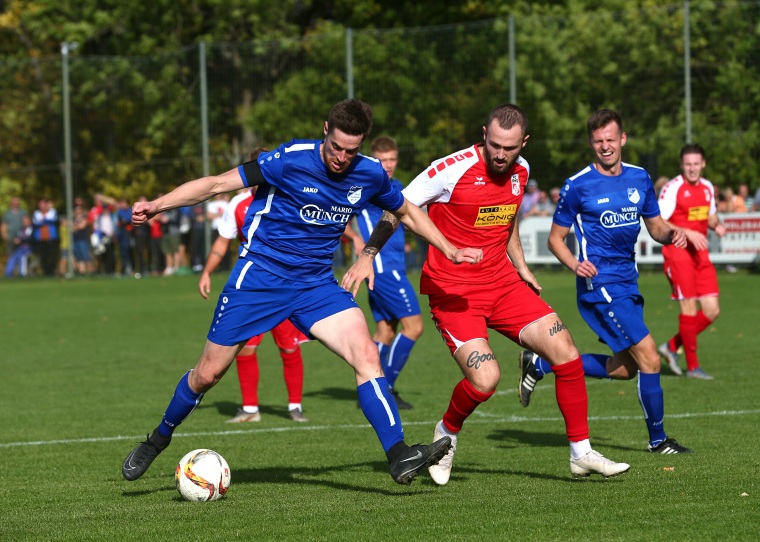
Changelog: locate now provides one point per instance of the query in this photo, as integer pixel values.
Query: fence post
(512, 67)
(350, 62)
(204, 132)
(687, 68)
(65, 48)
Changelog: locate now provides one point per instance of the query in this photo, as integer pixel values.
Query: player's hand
(360, 270)
(678, 238)
(204, 285)
(530, 280)
(698, 240)
(720, 230)
(585, 269)
(142, 211)
(467, 255)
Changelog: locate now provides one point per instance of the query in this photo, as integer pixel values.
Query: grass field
(90, 365)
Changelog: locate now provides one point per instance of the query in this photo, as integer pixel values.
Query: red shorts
(691, 274)
(466, 312)
(286, 337)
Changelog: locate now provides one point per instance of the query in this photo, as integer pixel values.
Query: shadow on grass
(321, 476)
(228, 409)
(340, 394)
(511, 438)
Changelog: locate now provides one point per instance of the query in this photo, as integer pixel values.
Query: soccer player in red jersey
(688, 202)
(473, 197)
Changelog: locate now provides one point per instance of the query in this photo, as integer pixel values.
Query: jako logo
(310, 189)
(603, 200)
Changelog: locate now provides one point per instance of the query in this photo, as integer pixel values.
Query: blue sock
(542, 367)
(398, 355)
(182, 404)
(595, 365)
(380, 409)
(653, 402)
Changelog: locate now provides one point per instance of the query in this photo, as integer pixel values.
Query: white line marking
(301, 427)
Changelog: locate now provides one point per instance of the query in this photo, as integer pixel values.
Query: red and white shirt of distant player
(286, 335)
(689, 206)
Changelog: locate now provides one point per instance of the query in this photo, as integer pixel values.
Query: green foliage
(431, 71)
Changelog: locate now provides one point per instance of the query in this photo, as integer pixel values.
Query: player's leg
(214, 362)
(682, 274)
(394, 301)
(247, 364)
(466, 335)
(709, 310)
(332, 317)
(288, 340)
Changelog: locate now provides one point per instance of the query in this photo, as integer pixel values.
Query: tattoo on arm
(475, 359)
(380, 234)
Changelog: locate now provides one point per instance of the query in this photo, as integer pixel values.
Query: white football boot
(440, 473)
(595, 463)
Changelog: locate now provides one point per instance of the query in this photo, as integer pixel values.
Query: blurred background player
(393, 299)
(688, 202)
(605, 202)
(286, 336)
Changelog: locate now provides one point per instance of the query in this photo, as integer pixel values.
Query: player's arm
(418, 222)
(697, 239)
(714, 223)
(517, 256)
(216, 255)
(557, 246)
(664, 233)
(189, 193)
(356, 239)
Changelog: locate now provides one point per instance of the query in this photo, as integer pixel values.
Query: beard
(496, 167)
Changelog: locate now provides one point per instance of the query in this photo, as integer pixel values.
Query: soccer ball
(202, 475)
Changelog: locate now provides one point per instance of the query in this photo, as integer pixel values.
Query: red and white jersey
(473, 208)
(687, 205)
(231, 223)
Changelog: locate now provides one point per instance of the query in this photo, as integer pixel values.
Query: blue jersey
(295, 221)
(392, 256)
(606, 213)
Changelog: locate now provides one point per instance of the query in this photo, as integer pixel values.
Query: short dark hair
(508, 115)
(601, 119)
(256, 152)
(353, 117)
(693, 148)
(384, 144)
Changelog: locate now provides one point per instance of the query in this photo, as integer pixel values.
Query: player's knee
(201, 380)
(712, 313)
(413, 327)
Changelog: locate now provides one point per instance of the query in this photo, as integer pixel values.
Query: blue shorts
(393, 298)
(255, 301)
(615, 312)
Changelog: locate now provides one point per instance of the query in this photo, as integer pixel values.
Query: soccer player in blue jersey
(605, 202)
(307, 192)
(393, 300)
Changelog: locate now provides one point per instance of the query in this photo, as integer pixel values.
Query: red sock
(248, 375)
(292, 368)
(702, 322)
(464, 400)
(572, 398)
(687, 328)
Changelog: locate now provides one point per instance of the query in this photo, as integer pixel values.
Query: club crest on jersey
(354, 194)
(515, 185)
(633, 195)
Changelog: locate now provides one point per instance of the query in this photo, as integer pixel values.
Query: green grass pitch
(89, 366)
